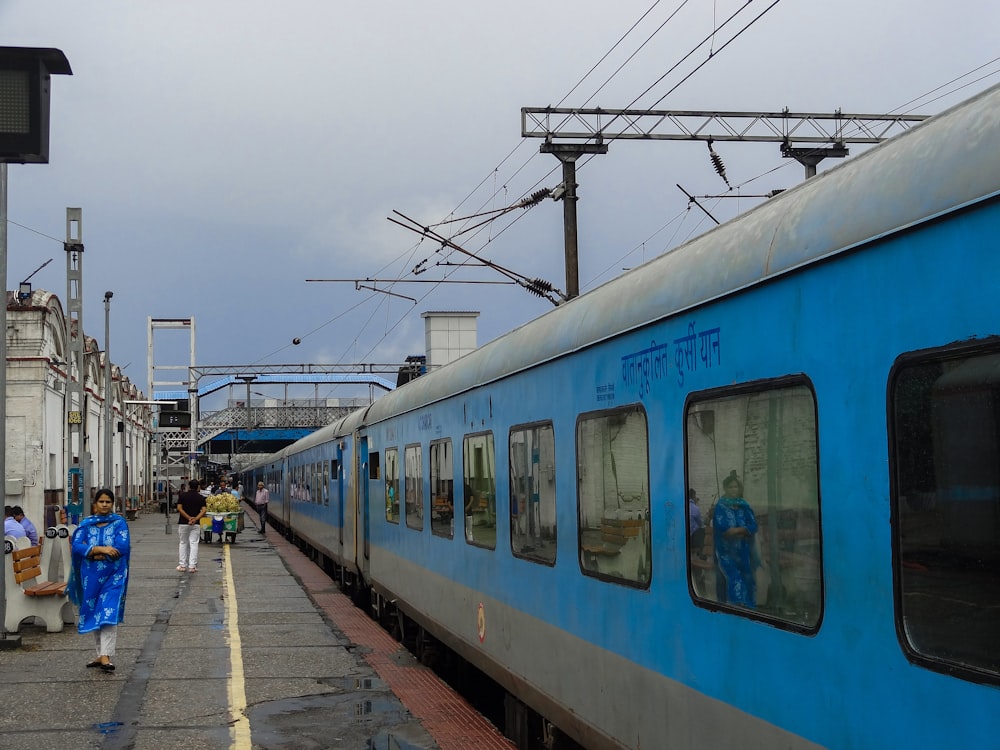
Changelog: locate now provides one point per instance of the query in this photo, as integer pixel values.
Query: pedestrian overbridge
(252, 423)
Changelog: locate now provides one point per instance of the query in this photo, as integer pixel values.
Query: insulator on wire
(541, 287)
(534, 199)
(720, 168)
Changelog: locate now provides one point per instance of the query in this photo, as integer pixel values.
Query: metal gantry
(175, 447)
(807, 137)
(598, 124)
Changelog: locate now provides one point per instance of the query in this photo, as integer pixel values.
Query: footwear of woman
(193, 569)
(180, 568)
(109, 667)
(94, 664)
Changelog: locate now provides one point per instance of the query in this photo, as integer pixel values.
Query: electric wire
(905, 107)
(710, 38)
(707, 39)
(612, 49)
(492, 237)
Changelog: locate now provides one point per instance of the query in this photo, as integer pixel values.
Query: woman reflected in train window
(734, 527)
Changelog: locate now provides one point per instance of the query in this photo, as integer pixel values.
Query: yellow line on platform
(239, 730)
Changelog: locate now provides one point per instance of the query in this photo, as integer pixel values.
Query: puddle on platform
(390, 742)
(107, 727)
(362, 683)
(334, 720)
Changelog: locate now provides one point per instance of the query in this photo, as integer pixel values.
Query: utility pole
(78, 460)
(568, 153)
(108, 479)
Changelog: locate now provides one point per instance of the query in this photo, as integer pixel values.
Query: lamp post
(108, 480)
(25, 74)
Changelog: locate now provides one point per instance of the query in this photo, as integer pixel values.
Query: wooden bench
(28, 593)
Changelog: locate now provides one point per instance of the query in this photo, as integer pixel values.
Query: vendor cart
(226, 525)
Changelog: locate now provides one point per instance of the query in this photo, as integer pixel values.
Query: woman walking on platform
(99, 578)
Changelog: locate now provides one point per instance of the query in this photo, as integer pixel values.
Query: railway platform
(257, 649)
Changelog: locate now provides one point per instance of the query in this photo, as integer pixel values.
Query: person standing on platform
(260, 501)
(190, 508)
(10, 525)
(98, 580)
(28, 526)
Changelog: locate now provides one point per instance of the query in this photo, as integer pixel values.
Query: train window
(751, 456)
(612, 466)
(318, 486)
(442, 482)
(533, 493)
(946, 508)
(330, 471)
(480, 490)
(392, 485)
(413, 490)
(374, 470)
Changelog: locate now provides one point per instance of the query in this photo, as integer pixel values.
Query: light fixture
(25, 73)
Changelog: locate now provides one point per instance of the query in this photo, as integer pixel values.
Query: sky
(225, 152)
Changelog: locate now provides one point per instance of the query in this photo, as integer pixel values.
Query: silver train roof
(945, 162)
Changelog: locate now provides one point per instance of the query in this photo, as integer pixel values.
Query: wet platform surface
(258, 649)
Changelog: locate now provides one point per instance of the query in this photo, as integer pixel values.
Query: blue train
(745, 495)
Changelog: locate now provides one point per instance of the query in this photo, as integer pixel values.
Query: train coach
(745, 495)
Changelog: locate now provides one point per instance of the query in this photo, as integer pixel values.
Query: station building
(37, 461)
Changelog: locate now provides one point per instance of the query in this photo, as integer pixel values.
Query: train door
(341, 500)
(363, 480)
(286, 494)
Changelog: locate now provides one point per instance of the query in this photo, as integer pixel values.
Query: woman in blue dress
(99, 579)
(733, 527)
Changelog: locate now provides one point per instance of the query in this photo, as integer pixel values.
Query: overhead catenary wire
(508, 222)
(494, 236)
(490, 223)
(709, 38)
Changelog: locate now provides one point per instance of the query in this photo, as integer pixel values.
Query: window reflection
(613, 495)
(414, 486)
(752, 458)
(946, 427)
(480, 490)
(392, 485)
(442, 497)
(533, 493)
